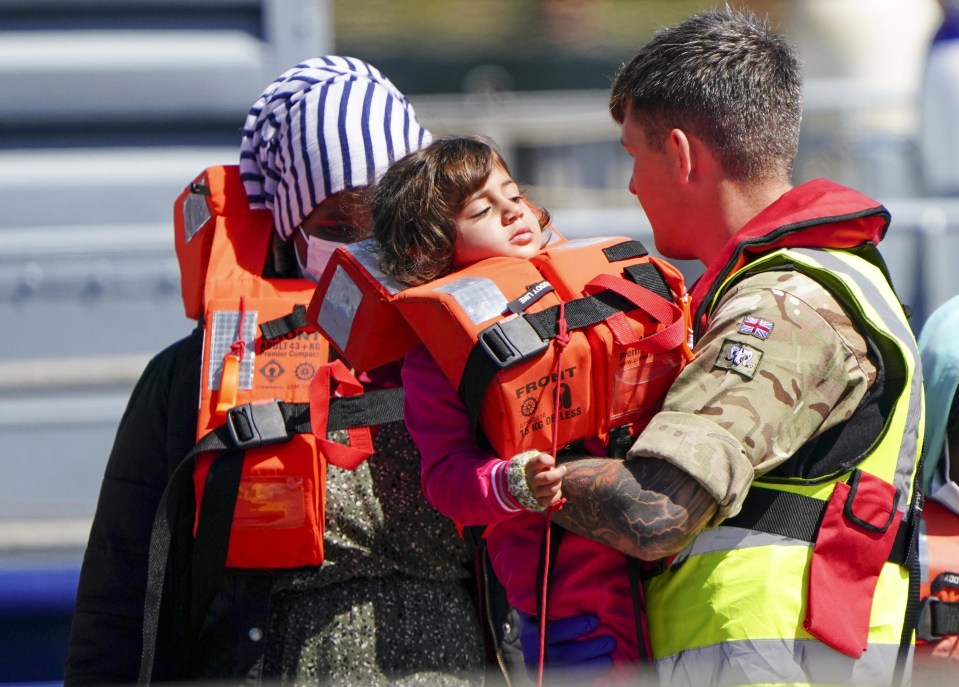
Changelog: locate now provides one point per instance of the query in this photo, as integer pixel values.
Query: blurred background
(110, 107)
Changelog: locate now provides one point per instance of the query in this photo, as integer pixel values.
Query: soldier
(804, 396)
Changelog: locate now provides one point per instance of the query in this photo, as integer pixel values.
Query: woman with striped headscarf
(391, 603)
(323, 130)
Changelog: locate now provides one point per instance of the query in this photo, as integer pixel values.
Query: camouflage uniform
(746, 403)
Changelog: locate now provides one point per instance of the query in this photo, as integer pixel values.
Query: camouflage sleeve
(778, 363)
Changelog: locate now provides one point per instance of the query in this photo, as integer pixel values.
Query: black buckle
(256, 424)
(511, 341)
(924, 628)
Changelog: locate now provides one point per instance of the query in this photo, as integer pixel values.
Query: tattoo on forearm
(644, 507)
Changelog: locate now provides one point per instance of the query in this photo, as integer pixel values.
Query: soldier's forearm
(645, 508)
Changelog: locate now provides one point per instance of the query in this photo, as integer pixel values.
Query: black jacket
(155, 433)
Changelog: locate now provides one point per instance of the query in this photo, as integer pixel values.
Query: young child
(444, 207)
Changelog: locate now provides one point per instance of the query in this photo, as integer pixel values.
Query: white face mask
(318, 254)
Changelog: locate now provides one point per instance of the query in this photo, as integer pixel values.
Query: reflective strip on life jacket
(780, 662)
(351, 290)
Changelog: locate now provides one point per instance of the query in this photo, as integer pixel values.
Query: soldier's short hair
(726, 77)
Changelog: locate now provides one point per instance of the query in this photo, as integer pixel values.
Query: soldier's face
(653, 182)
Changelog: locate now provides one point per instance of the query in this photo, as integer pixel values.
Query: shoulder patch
(739, 357)
(756, 326)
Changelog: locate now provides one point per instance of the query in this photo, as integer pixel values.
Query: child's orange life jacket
(492, 329)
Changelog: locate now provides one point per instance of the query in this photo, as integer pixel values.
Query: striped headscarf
(327, 125)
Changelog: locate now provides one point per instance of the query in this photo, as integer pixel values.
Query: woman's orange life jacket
(492, 329)
(222, 246)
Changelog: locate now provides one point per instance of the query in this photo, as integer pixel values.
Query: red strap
(623, 333)
(543, 596)
(361, 438)
(238, 347)
(668, 339)
(561, 340)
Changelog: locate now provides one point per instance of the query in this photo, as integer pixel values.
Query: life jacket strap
(646, 275)
(281, 326)
(635, 569)
(247, 426)
(256, 424)
(378, 407)
(625, 250)
(796, 516)
(521, 337)
(937, 619)
(270, 422)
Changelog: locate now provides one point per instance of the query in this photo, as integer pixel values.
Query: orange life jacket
(937, 638)
(268, 398)
(492, 328)
(222, 246)
(353, 290)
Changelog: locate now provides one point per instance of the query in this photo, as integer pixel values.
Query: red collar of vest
(819, 214)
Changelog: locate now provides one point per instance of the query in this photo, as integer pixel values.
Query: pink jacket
(468, 484)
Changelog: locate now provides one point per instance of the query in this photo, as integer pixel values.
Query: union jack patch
(756, 326)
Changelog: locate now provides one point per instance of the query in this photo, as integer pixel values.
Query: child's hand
(545, 479)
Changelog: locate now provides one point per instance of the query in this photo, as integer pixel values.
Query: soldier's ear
(681, 155)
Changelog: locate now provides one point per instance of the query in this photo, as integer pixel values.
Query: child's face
(496, 222)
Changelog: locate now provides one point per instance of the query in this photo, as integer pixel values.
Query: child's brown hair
(414, 205)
